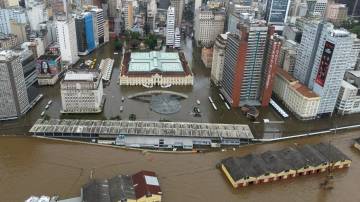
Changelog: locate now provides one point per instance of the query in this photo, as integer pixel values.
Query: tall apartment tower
(61, 8)
(85, 33)
(128, 14)
(66, 34)
(316, 7)
(271, 65)
(179, 9)
(217, 66)
(99, 21)
(333, 56)
(242, 77)
(170, 26)
(277, 11)
(307, 50)
(14, 100)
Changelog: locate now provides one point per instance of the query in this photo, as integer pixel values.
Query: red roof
(142, 188)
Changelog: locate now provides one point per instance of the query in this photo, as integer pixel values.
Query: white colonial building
(82, 92)
(155, 68)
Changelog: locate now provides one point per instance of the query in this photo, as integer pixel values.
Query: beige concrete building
(207, 56)
(8, 41)
(297, 97)
(337, 13)
(18, 29)
(217, 66)
(209, 23)
(155, 68)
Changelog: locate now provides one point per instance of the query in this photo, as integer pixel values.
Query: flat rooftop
(79, 77)
(296, 85)
(142, 128)
(155, 60)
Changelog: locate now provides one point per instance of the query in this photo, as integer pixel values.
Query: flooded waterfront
(38, 166)
(201, 90)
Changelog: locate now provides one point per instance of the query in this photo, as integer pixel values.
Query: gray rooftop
(142, 128)
(290, 158)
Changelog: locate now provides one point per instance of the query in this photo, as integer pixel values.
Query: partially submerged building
(149, 134)
(276, 165)
(155, 68)
(141, 187)
(298, 98)
(82, 92)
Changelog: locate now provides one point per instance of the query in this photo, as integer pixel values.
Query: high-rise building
(82, 92)
(209, 23)
(242, 77)
(151, 14)
(235, 17)
(331, 61)
(67, 40)
(353, 5)
(128, 14)
(37, 14)
(271, 65)
(14, 100)
(8, 3)
(277, 11)
(17, 15)
(19, 29)
(8, 41)
(170, 26)
(179, 9)
(337, 13)
(99, 22)
(61, 8)
(177, 38)
(316, 7)
(85, 33)
(307, 50)
(217, 66)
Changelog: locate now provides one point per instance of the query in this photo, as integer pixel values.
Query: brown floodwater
(39, 166)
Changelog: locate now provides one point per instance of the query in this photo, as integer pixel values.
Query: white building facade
(67, 40)
(82, 93)
(14, 100)
(170, 26)
(331, 61)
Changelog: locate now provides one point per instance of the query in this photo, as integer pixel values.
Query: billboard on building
(324, 63)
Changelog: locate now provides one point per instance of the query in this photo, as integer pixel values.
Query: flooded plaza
(201, 90)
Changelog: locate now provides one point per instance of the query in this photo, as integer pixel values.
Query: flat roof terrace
(142, 128)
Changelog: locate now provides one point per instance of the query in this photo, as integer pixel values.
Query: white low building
(299, 99)
(155, 68)
(348, 101)
(82, 93)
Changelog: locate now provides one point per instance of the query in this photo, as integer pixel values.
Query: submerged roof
(290, 158)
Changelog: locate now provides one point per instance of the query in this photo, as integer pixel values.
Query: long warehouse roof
(141, 128)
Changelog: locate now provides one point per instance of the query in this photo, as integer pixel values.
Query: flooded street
(201, 90)
(38, 166)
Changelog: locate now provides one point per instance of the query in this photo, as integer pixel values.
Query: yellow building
(286, 163)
